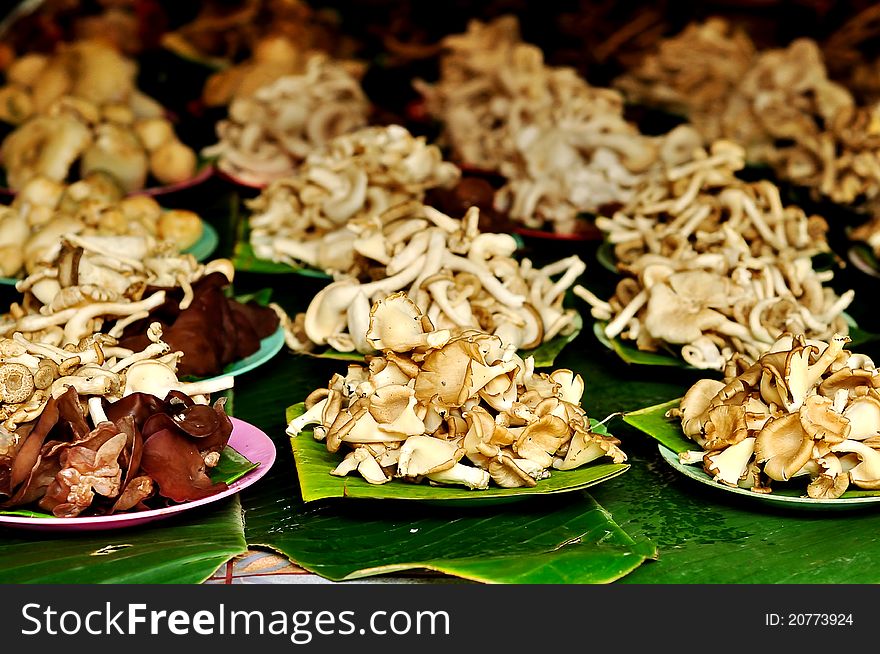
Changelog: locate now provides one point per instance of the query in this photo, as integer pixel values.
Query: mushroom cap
(821, 422)
(541, 438)
(867, 473)
(863, 415)
(783, 447)
(730, 464)
(694, 407)
(507, 474)
(393, 409)
(423, 455)
(396, 324)
(725, 426)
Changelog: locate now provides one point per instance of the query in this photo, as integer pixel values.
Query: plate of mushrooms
(78, 110)
(98, 435)
(439, 416)
(800, 426)
(44, 211)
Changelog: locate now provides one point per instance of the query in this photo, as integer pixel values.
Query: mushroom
(157, 378)
(729, 465)
(362, 460)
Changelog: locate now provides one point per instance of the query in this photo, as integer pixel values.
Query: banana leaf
(652, 421)
(862, 257)
(569, 539)
(708, 537)
(605, 256)
(180, 550)
(314, 463)
(245, 259)
(632, 355)
(629, 353)
(539, 540)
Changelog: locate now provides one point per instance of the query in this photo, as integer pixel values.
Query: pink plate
(241, 181)
(588, 233)
(247, 440)
(202, 174)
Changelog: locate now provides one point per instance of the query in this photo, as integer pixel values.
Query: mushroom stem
(96, 411)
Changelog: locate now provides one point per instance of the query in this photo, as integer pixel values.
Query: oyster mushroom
(362, 460)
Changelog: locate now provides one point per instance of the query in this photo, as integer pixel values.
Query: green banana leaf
(666, 357)
(605, 256)
(862, 257)
(314, 463)
(185, 549)
(569, 539)
(652, 421)
(632, 355)
(546, 353)
(708, 537)
(539, 540)
(245, 259)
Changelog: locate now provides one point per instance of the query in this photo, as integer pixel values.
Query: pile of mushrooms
(804, 410)
(223, 34)
(305, 218)
(780, 104)
(563, 146)
(714, 266)
(463, 410)
(694, 204)
(269, 132)
(448, 271)
(693, 74)
(44, 210)
(90, 70)
(100, 428)
(273, 56)
(97, 119)
(97, 283)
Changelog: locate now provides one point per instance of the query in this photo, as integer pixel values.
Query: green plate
(269, 347)
(314, 463)
(788, 498)
(207, 243)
